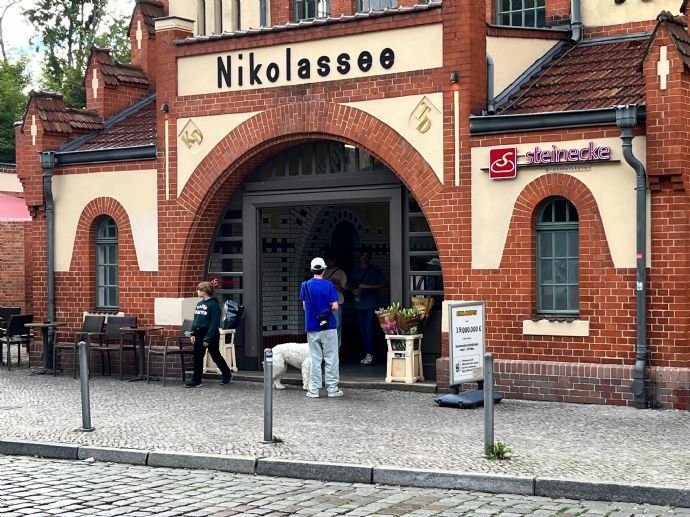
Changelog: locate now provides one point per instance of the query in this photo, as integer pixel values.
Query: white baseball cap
(318, 264)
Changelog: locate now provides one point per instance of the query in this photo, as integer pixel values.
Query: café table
(140, 331)
(47, 352)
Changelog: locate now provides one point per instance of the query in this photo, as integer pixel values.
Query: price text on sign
(466, 323)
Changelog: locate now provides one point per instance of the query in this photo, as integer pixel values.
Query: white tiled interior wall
(292, 236)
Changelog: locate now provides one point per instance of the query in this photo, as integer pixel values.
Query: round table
(47, 352)
(140, 332)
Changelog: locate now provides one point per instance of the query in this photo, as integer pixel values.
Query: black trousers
(200, 351)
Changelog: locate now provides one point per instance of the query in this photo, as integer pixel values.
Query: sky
(17, 32)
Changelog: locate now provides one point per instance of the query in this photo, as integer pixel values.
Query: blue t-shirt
(321, 295)
(368, 298)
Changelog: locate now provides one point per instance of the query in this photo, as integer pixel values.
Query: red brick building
(476, 135)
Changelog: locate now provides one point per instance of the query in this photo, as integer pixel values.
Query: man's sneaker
(368, 359)
(336, 393)
(313, 394)
(192, 384)
(226, 380)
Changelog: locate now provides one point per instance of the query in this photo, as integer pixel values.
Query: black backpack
(233, 314)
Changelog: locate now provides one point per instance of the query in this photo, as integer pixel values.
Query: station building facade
(474, 145)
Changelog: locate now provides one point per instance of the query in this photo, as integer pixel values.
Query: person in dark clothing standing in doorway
(205, 335)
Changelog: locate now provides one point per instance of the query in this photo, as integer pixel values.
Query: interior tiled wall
(291, 237)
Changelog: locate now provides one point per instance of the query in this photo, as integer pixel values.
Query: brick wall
(595, 369)
(554, 381)
(12, 272)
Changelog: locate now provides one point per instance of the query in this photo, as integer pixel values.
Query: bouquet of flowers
(409, 320)
(387, 318)
(423, 304)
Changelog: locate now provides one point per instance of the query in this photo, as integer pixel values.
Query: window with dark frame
(106, 264)
(557, 232)
(310, 9)
(376, 5)
(521, 13)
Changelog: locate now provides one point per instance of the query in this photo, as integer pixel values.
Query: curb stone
(496, 483)
(341, 472)
(621, 492)
(188, 460)
(114, 455)
(60, 451)
(349, 473)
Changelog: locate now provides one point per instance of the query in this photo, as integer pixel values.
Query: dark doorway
(343, 241)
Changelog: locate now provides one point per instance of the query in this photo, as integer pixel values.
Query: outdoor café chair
(5, 313)
(114, 339)
(179, 345)
(91, 328)
(17, 334)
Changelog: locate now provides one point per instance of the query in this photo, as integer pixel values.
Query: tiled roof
(591, 75)
(55, 118)
(134, 129)
(115, 73)
(678, 31)
(150, 9)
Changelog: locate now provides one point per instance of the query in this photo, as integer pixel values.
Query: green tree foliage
(66, 30)
(116, 38)
(13, 81)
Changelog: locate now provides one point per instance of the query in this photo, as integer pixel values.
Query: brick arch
(83, 263)
(257, 139)
(519, 253)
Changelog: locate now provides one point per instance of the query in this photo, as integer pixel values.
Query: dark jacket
(207, 319)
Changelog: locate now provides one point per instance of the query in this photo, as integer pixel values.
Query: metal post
(84, 378)
(268, 395)
(488, 402)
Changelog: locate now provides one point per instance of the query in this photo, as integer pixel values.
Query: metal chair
(114, 339)
(5, 313)
(173, 345)
(17, 334)
(92, 327)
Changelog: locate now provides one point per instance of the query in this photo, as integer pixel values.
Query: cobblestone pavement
(30, 486)
(365, 427)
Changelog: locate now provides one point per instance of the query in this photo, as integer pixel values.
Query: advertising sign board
(466, 335)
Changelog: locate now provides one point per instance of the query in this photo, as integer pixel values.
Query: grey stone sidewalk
(365, 427)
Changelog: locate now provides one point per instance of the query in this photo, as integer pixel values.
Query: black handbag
(323, 318)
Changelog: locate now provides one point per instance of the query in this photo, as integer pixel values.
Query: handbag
(323, 318)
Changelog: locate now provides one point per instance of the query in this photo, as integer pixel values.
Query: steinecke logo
(503, 163)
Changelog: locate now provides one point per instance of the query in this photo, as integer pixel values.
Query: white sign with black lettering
(466, 337)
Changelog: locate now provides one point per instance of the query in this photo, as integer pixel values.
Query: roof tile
(138, 129)
(55, 118)
(590, 75)
(678, 31)
(115, 73)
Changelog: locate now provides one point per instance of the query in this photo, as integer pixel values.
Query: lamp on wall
(165, 107)
(453, 77)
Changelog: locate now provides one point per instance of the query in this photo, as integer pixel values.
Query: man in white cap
(319, 299)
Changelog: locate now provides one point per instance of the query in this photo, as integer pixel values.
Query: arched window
(218, 16)
(557, 230)
(106, 263)
(201, 17)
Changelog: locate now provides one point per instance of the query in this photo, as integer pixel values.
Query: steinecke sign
(346, 57)
(503, 162)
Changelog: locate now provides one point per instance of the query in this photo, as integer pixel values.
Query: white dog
(293, 354)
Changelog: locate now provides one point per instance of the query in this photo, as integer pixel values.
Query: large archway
(268, 133)
(408, 185)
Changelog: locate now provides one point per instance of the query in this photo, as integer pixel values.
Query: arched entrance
(309, 197)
